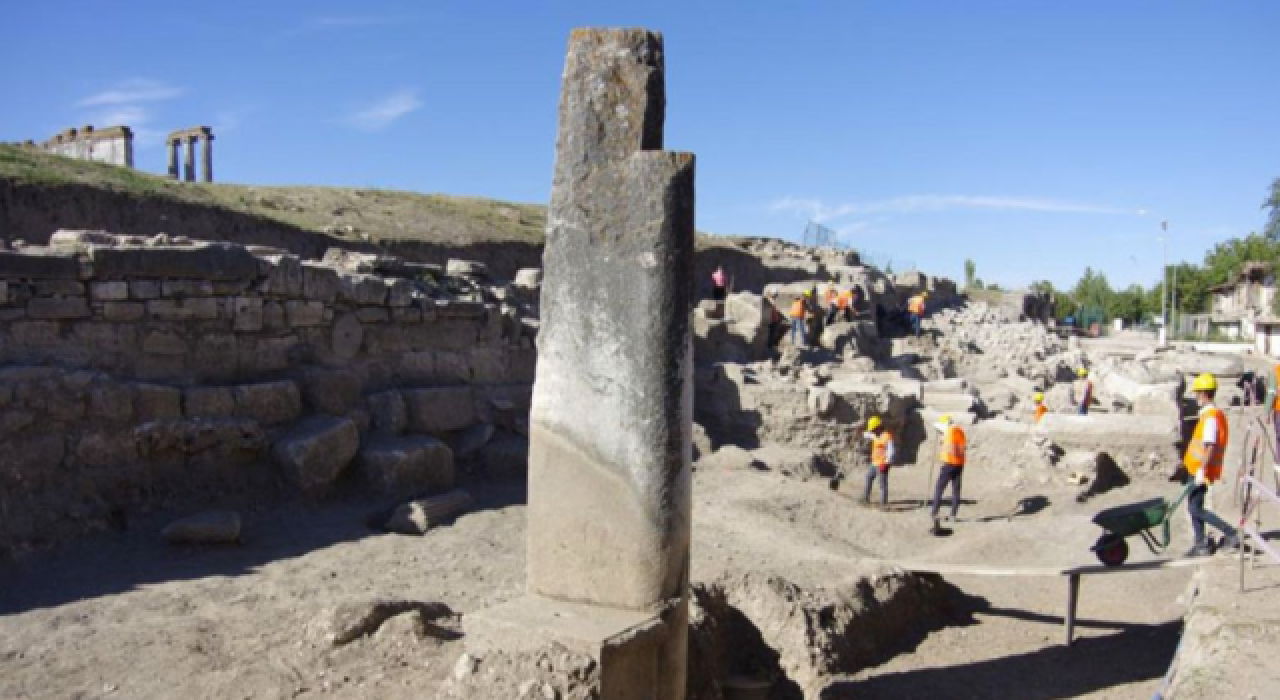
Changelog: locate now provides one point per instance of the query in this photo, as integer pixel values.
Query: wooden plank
(1073, 600)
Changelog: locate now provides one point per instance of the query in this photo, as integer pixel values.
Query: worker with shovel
(1203, 461)
(883, 452)
(951, 453)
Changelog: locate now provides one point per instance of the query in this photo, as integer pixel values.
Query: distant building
(112, 145)
(1238, 306)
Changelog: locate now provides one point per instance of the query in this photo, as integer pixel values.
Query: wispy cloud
(910, 204)
(131, 92)
(382, 113)
(334, 23)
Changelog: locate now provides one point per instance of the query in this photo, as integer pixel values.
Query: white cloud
(329, 23)
(132, 91)
(818, 210)
(385, 111)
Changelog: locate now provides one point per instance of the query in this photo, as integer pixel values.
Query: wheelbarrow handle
(1165, 535)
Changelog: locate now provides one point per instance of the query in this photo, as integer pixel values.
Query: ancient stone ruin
(113, 145)
(610, 428)
(174, 143)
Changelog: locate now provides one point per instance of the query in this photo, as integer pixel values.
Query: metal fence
(819, 236)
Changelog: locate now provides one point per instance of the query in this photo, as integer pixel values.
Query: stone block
(314, 453)
(319, 283)
(269, 403)
(302, 314)
(208, 261)
(208, 402)
(333, 391)
(58, 308)
(529, 278)
(36, 265)
(417, 366)
(111, 401)
(164, 342)
(389, 414)
(247, 314)
(285, 278)
(99, 450)
(153, 402)
(406, 465)
(439, 410)
(347, 336)
(144, 290)
(124, 311)
(373, 314)
(58, 288)
(7, 315)
(399, 292)
(273, 316)
(194, 309)
(406, 315)
(362, 289)
(467, 268)
(506, 456)
(214, 357)
(78, 241)
(214, 527)
(182, 288)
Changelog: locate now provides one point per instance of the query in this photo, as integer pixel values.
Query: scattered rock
(314, 453)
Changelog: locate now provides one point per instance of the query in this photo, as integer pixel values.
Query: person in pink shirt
(719, 285)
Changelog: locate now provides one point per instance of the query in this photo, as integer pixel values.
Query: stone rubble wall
(134, 372)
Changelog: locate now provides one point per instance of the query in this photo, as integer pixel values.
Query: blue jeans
(872, 472)
(1200, 516)
(915, 324)
(947, 475)
(797, 326)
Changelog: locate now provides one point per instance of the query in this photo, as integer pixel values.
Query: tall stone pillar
(189, 173)
(173, 146)
(610, 430)
(206, 166)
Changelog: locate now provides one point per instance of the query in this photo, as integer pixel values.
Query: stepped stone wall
(135, 373)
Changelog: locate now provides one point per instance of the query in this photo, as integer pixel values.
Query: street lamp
(1164, 284)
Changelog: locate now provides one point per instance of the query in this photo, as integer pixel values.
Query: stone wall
(112, 145)
(134, 371)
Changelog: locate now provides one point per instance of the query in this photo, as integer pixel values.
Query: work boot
(1197, 550)
(937, 527)
(1229, 543)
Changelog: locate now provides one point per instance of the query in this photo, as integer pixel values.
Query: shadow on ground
(108, 563)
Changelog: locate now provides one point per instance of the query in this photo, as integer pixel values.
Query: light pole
(1164, 285)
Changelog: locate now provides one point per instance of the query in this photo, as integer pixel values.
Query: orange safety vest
(1040, 411)
(1195, 458)
(797, 308)
(915, 305)
(843, 301)
(1276, 404)
(880, 450)
(951, 451)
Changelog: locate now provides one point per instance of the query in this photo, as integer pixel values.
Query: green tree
(970, 273)
(1272, 230)
(1092, 293)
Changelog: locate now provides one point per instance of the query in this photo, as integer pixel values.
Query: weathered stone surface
(319, 282)
(58, 308)
(615, 337)
(181, 288)
(399, 292)
(247, 312)
(439, 410)
(506, 455)
(389, 414)
(123, 311)
(472, 440)
(208, 402)
(144, 290)
(270, 403)
(406, 465)
(301, 314)
(314, 453)
(284, 279)
(156, 402)
(528, 278)
(333, 391)
(209, 261)
(373, 314)
(164, 342)
(466, 268)
(347, 336)
(196, 309)
(58, 288)
(109, 290)
(214, 527)
(34, 265)
(417, 517)
(362, 289)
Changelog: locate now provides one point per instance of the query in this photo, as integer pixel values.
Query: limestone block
(302, 314)
(529, 278)
(156, 402)
(58, 308)
(214, 527)
(390, 415)
(333, 391)
(58, 288)
(270, 403)
(313, 454)
(196, 309)
(111, 401)
(406, 315)
(78, 241)
(439, 410)
(399, 292)
(319, 283)
(362, 289)
(285, 278)
(506, 455)
(711, 309)
(247, 312)
(144, 290)
(36, 265)
(7, 315)
(208, 402)
(373, 314)
(417, 366)
(208, 261)
(273, 316)
(180, 288)
(164, 342)
(123, 311)
(406, 465)
(103, 449)
(419, 516)
(470, 441)
(466, 268)
(347, 336)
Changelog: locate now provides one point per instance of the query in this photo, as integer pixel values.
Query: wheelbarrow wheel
(1112, 550)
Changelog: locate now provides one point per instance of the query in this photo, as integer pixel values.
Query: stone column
(173, 146)
(610, 429)
(206, 168)
(189, 173)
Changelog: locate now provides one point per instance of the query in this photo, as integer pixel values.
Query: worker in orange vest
(915, 307)
(1203, 460)
(883, 453)
(951, 452)
(1040, 407)
(799, 309)
(839, 305)
(1273, 394)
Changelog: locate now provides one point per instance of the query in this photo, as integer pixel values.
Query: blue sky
(1028, 136)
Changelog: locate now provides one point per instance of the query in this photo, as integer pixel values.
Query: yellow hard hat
(808, 292)
(1205, 382)
(874, 423)
(944, 419)
(1082, 372)
(925, 294)
(1038, 397)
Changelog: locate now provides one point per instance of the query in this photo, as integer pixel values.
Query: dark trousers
(948, 475)
(872, 472)
(798, 326)
(915, 324)
(1200, 516)
(718, 293)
